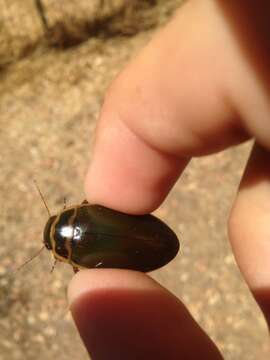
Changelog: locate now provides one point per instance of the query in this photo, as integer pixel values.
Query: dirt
(49, 102)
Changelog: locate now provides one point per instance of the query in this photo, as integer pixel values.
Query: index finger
(190, 92)
(172, 102)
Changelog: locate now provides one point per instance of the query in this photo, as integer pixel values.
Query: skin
(200, 86)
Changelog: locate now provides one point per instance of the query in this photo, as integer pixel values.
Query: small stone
(214, 299)
(2, 271)
(7, 344)
(44, 316)
(184, 277)
(49, 331)
(39, 338)
(57, 284)
(31, 320)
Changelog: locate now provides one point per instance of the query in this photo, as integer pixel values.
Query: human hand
(200, 86)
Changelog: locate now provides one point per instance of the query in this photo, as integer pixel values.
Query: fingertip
(93, 280)
(123, 314)
(126, 173)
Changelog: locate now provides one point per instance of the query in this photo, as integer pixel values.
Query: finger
(250, 227)
(123, 314)
(127, 174)
(172, 102)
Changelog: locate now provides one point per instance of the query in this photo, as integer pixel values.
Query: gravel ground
(49, 105)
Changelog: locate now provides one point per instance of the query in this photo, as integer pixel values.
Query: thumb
(123, 314)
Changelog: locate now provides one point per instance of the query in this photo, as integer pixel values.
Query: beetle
(93, 236)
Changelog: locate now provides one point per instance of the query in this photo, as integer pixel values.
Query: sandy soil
(49, 105)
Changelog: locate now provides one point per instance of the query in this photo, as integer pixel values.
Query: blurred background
(56, 60)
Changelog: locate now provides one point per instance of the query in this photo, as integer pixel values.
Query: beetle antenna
(42, 197)
(31, 258)
(65, 203)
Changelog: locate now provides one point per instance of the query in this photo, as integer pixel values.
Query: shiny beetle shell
(91, 236)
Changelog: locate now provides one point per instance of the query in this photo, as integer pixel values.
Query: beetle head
(47, 233)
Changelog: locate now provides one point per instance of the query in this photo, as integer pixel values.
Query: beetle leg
(75, 269)
(85, 202)
(99, 264)
(53, 265)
